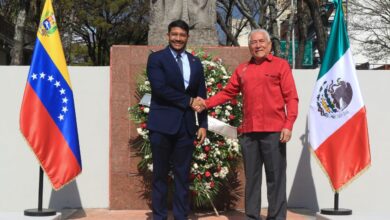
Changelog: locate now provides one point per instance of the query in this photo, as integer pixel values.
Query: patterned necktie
(180, 63)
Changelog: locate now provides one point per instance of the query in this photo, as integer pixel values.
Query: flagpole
(336, 210)
(39, 211)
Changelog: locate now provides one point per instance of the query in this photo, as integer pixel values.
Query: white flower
(150, 167)
(228, 107)
(201, 156)
(223, 172)
(147, 83)
(147, 156)
(228, 141)
(146, 110)
(195, 165)
(209, 83)
(212, 80)
(216, 174)
(206, 141)
(218, 111)
(224, 72)
(139, 131)
(227, 113)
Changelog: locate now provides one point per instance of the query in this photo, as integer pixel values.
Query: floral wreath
(217, 156)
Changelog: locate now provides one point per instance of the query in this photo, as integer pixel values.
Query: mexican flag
(338, 131)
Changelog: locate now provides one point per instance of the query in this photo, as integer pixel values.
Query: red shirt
(270, 99)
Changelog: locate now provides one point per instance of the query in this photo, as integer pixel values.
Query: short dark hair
(179, 23)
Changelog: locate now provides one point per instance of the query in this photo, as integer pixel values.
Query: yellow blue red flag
(47, 116)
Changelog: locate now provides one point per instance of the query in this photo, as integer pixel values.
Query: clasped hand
(198, 104)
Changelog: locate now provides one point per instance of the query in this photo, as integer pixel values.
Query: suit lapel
(191, 60)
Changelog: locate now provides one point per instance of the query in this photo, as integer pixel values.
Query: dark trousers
(176, 150)
(258, 149)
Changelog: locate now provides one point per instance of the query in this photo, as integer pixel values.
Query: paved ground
(104, 214)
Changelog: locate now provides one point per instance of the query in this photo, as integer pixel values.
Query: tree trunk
(17, 50)
(318, 26)
(229, 34)
(302, 27)
(291, 27)
(274, 30)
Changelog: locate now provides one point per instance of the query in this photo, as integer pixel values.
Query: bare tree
(303, 24)
(369, 25)
(320, 28)
(255, 14)
(225, 21)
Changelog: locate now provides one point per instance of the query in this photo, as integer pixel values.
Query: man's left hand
(201, 135)
(285, 135)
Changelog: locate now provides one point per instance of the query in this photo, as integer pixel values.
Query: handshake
(198, 104)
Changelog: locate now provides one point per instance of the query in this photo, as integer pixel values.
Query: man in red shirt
(270, 107)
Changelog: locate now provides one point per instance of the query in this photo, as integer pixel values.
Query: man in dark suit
(176, 78)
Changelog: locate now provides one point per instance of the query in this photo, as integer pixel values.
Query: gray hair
(259, 30)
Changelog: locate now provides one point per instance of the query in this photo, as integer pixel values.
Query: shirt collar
(175, 53)
(269, 58)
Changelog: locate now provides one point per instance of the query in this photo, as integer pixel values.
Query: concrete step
(105, 214)
(21, 216)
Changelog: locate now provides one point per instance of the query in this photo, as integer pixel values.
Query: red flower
(206, 149)
(216, 59)
(212, 184)
(193, 53)
(192, 176)
(199, 177)
(208, 89)
(143, 125)
(205, 56)
(221, 143)
(219, 86)
(233, 101)
(207, 174)
(195, 143)
(219, 168)
(231, 117)
(213, 114)
(210, 67)
(141, 108)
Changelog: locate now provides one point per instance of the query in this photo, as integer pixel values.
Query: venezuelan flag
(47, 116)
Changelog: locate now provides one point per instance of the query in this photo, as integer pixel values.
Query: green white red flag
(338, 132)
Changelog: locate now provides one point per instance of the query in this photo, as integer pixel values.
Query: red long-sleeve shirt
(270, 99)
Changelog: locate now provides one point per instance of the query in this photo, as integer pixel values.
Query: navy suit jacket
(170, 103)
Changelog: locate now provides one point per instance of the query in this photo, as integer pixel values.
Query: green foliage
(96, 24)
